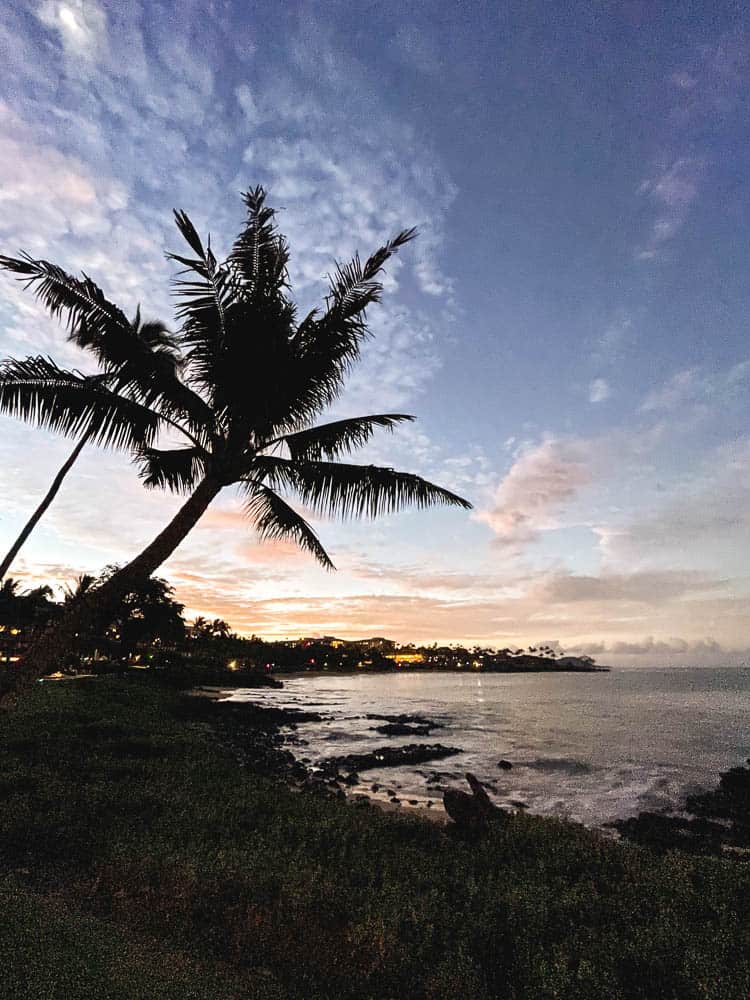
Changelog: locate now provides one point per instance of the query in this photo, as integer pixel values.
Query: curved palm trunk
(98, 606)
(36, 516)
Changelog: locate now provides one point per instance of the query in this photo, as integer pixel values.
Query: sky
(570, 328)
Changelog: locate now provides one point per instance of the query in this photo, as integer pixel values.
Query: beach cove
(591, 748)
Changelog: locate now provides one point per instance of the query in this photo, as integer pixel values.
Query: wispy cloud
(706, 92)
(599, 390)
(696, 387)
(535, 490)
(615, 342)
(672, 191)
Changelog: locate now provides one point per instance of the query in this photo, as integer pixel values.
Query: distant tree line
(148, 629)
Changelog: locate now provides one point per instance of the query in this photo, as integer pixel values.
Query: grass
(138, 860)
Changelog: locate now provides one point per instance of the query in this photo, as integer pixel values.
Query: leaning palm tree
(252, 379)
(126, 350)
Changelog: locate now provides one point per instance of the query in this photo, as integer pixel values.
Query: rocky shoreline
(265, 740)
(253, 734)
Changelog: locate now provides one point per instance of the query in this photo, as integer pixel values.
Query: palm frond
(175, 469)
(157, 337)
(260, 253)
(37, 391)
(342, 490)
(152, 377)
(203, 301)
(275, 519)
(86, 310)
(144, 354)
(354, 286)
(329, 344)
(330, 441)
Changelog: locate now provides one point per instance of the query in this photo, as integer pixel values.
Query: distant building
(408, 658)
(378, 642)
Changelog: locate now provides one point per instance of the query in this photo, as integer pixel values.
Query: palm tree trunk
(98, 606)
(36, 516)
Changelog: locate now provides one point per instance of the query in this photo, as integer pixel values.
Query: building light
(409, 658)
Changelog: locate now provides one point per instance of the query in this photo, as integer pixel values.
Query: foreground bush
(141, 861)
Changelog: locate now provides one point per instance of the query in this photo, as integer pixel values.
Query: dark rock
(721, 826)
(505, 765)
(413, 802)
(415, 753)
(252, 733)
(351, 779)
(401, 729)
(409, 720)
(374, 787)
(471, 811)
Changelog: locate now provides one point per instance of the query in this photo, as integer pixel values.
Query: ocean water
(587, 747)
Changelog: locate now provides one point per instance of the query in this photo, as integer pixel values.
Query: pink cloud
(536, 488)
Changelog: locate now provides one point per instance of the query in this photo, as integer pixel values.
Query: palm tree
(82, 585)
(199, 628)
(125, 349)
(251, 380)
(21, 612)
(220, 629)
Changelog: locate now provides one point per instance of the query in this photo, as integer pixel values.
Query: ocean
(586, 747)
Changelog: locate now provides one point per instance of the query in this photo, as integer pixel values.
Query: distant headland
(316, 654)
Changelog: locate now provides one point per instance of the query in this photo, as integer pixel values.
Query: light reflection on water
(591, 747)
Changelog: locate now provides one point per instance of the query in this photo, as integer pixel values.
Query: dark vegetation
(138, 859)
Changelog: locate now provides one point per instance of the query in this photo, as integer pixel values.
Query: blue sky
(571, 328)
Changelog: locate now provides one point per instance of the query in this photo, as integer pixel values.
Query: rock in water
(415, 753)
(401, 729)
(471, 811)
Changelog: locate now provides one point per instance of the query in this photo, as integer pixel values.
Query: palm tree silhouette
(21, 612)
(251, 380)
(128, 351)
(220, 629)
